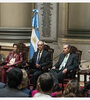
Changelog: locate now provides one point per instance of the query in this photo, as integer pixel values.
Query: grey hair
(68, 45)
(41, 41)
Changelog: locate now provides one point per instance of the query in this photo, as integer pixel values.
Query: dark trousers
(57, 75)
(35, 74)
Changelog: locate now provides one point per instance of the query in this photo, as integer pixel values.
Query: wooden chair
(73, 72)
(25, 51)
(51, 51)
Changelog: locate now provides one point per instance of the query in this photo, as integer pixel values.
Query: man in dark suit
(40, 62)
(68, 61)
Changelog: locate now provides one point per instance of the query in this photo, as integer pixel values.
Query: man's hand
(37, 66)
(27, 65)
(53, 67)
(64, 71)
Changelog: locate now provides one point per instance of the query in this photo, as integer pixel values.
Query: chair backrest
(76, 51)
(79, 54)
(24, 50)
(50, 50)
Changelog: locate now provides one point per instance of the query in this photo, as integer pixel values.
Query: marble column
(48, 20)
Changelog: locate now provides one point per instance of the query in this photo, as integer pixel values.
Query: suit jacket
(19, 58)
(45, 59)
(71, 64)
(11, 92)
(2, 85)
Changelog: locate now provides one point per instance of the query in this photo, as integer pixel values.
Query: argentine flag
(35, 33)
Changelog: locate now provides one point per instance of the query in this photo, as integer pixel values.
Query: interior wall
(79, 16)
(23, 12)
(76, 16)
(16, 14)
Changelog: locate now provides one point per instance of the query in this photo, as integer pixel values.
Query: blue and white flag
(35, 33)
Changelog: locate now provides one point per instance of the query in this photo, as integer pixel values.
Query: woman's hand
(9, 64)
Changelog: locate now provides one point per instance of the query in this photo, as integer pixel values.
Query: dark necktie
(38, 59)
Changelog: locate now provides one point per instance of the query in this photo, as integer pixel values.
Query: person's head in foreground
(72, 89)
(17, 78)
(45, 83)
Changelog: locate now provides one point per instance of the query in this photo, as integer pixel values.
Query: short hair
(46, 82)
(14, 77)
(41, 42)
(68, 45)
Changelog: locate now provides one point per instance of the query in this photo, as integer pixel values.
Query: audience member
(24, 83)
(2, 85)
(44, 85)
(72, 89)
(15, 83)
(39, 63)
(86, 87)
(36, 91)
(67, 62)
(13, 59)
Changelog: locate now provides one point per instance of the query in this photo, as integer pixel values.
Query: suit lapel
(41, 56)
(61, 59)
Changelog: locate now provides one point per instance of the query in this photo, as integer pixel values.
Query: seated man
(68, 61)
(45, 84)
(39, 63)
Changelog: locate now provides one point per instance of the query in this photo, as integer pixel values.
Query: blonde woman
(24, 83)
(72, 89)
